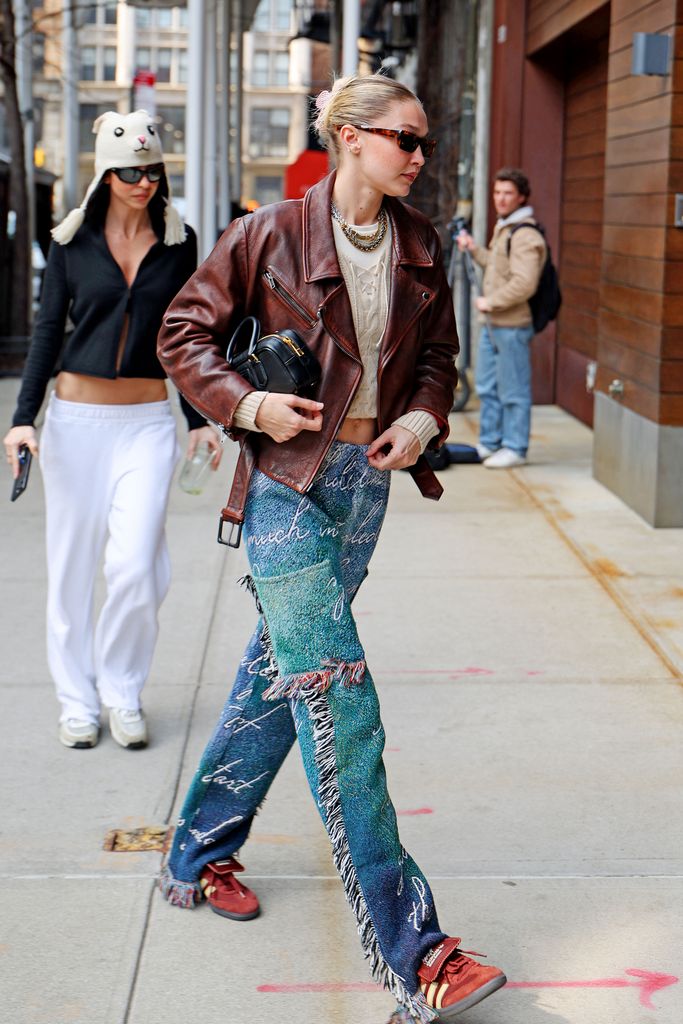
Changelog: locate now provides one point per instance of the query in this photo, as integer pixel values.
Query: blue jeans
(308, 555)
(503, 382)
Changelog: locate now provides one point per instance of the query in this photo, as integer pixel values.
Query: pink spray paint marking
(452, 673)
(647, 983)
(416, 810)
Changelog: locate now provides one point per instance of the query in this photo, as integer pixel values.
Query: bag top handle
(244, 338)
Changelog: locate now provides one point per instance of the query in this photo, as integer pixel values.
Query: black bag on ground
(278, 362)
(546, 301)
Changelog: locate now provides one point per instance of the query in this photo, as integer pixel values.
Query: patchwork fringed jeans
(304, 676)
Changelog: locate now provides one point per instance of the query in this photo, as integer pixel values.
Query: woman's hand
(13, 441)
(282, 417)
(208, 436)
(396, 448)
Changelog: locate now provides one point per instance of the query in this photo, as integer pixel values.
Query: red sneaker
(224, 894)
(452, 982)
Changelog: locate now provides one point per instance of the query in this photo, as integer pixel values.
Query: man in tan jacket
(512, 268)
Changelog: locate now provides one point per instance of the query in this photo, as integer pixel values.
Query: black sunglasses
(407, 141)
(132, 175)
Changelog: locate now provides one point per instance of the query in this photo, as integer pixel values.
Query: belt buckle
(230, 542)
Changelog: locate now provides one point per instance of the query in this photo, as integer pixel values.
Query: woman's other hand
(13, 441)
(396, 448)
(208, 436)
(282, 417)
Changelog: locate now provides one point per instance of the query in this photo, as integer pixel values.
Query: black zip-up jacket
(83, 280)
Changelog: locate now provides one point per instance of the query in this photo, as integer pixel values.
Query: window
(88, 63)
(143, 55)
(182, 65)
(171, 121)
(269, 135)
(164, 17)
(109, 64)
(163, 65)
(110, 14)
(259, 69)
(38, 53)
(283, 14)
(261, 22)
(268, 189)
(183, 16)
(89, 12)
(281, 68)
(143, 17)
(87, 114)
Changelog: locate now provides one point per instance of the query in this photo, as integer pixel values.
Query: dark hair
(518, 179)
(98, 204)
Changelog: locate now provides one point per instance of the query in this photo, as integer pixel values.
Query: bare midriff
(76, 387)
(357, 431)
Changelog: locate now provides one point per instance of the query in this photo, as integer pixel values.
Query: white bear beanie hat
(123, 140)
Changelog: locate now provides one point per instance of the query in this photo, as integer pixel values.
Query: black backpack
(546, 301)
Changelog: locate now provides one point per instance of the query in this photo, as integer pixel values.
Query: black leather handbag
(278, 362)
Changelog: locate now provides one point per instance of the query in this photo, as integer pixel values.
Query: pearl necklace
(364, 242)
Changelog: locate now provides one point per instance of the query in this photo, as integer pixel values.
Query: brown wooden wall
(641, 292)
(582, 188)
(547, 20)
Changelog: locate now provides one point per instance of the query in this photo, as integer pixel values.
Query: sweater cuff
(420, 423)
(247, 409)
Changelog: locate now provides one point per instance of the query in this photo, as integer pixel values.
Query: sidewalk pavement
(526, 635)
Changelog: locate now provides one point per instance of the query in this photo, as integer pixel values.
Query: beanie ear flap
(66, 230)
(175, 229)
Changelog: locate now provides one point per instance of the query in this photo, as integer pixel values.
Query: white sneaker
(484, 453)
(128, 728)
(505, 458)
(78, 734)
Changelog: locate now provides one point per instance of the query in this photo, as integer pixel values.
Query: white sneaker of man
(78, 733)
(128, 728)
(505, 458)
(485, 453)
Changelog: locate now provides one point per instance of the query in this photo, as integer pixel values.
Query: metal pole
(70, 175)
(24, 58)
(224, 123)
(194, 152)
(351, 32)
(480, 192)
(239, 100)
(125, 44)
(209, 176)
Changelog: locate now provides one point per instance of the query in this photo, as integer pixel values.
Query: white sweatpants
(107, 471)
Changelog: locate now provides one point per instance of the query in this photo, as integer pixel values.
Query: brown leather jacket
(280, 265)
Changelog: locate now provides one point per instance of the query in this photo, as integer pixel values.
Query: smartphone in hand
(19, 485)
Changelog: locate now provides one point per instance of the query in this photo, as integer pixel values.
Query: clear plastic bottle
(193, 474)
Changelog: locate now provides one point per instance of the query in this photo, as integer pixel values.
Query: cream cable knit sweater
(368, 281)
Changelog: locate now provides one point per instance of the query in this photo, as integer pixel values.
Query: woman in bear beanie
(359, 274)
(109, 447)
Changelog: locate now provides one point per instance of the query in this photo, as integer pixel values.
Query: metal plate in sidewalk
(136, 840)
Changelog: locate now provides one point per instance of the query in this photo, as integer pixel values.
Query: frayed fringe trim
(179, 894)
(301, 684)
(307, 684)
(271, 670)
(328, 795)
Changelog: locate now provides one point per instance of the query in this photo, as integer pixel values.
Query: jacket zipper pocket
(288, 299)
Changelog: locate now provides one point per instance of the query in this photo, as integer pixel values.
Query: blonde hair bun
(355, 99)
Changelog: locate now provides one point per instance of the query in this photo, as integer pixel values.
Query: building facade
(116, 40)
(603, 149)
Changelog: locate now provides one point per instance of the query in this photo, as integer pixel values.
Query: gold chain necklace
(366, 243)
